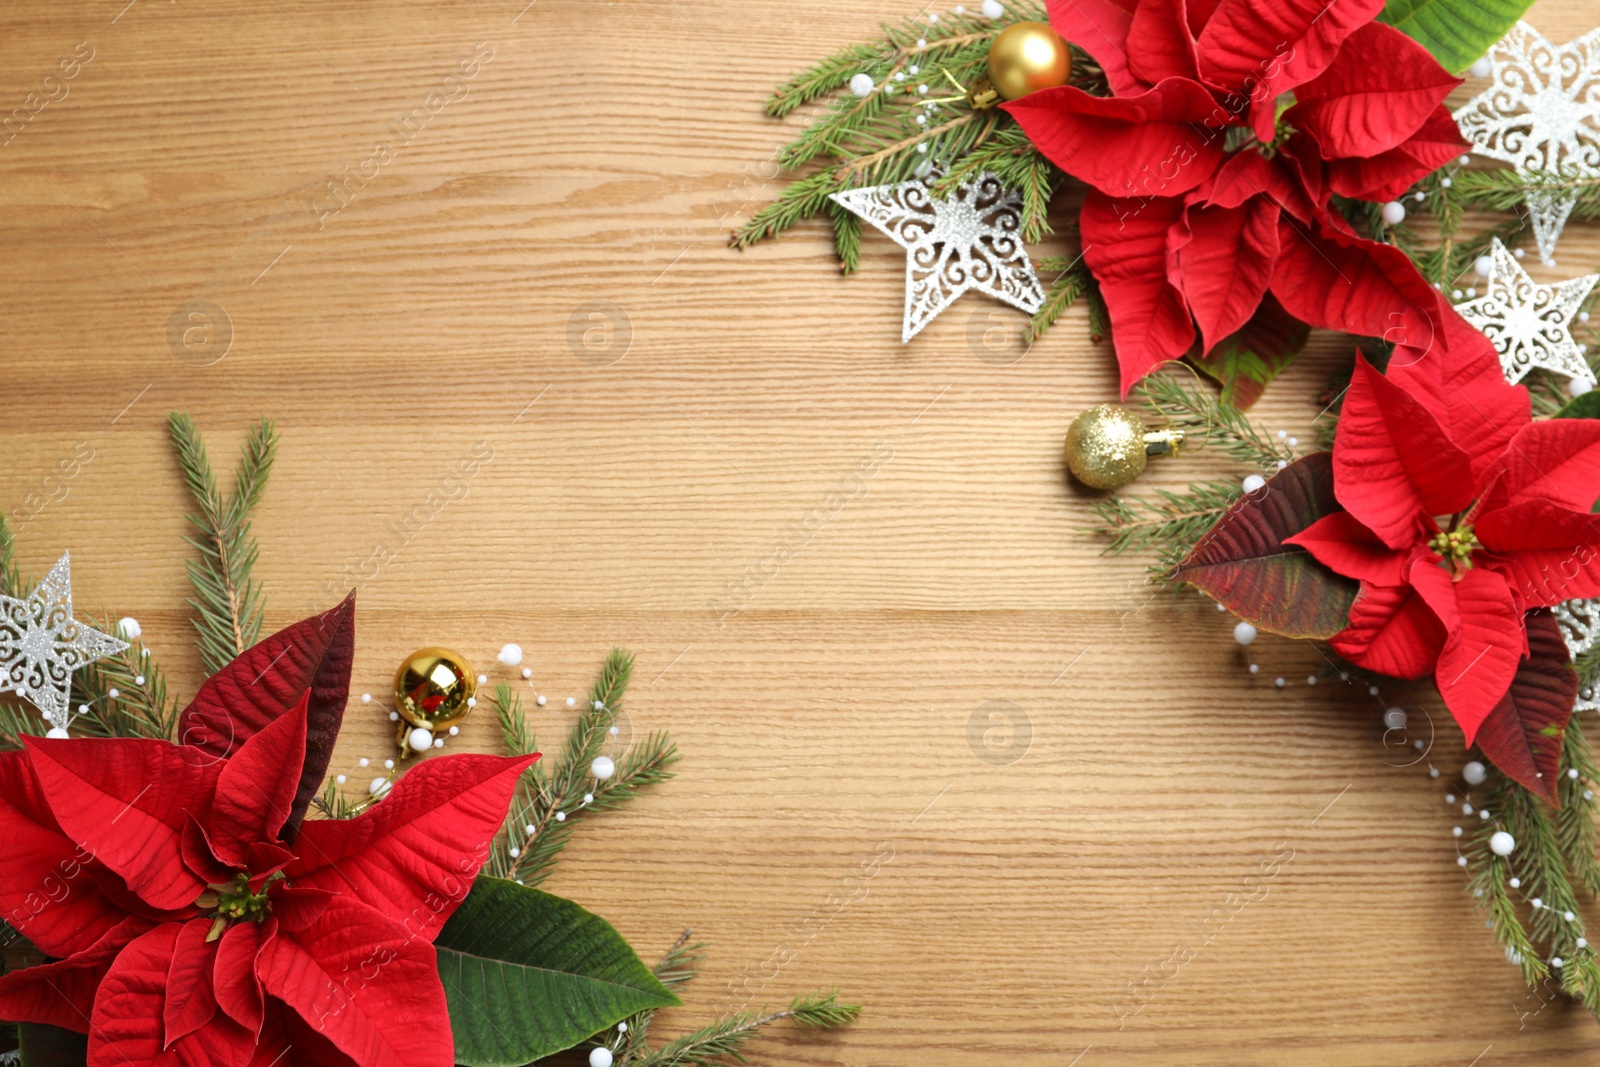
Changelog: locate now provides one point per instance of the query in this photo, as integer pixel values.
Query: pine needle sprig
(125, 695)
(11, 583)
(552, 802)
(1207, 421)
(725, 1039)
(1575, 821)
(1072, 281)
(677, 967)
(228, 604)
(1502, 189)
(1020, 167)
(1168, 522)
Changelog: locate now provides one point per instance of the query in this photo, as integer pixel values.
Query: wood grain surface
(937, 750)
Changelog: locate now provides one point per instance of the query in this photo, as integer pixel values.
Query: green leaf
(1246, 361)
(51, 1046)
(528, 974)
(1586, 406)
(1244, 564)
(1525, 732)
(1457, 32)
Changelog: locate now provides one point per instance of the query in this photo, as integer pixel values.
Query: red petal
(1226, 265)
(1388, 176)
(219, 1043)
(1556, 460)
(1249, 174)
(256, 789)
(126, 800)
(234, 980)
(62, 993)
(1376, 94)
(1393, 464)
(1259, 49)
(1159, 45)
(191, 998)
(1486, 641)
(1392, 631)
(126, 1026)
(1340, 543)
(1339, 282)
(267, 680)
(1458, 376)
(1125, 245)
(1546, 552)
(1100, 27)
(1524, 735)
(43, 891)
(1160, 143)
(366, 984)
(298, 906)
(414, 856)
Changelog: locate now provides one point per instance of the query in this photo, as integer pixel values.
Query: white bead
(1244, 633)
(1536, 903)
(613, 731)
(1253, 482)
(362, 762)
(394, 716)
(527, 672)
(1466, 809)
(923, 88)
(1515, 883)
(1294, 442)
(483, 679)
(1282, 434)
(932, 17)
(1395, 718)
(600, 1057)
(1311, 679)
(1466, 160)
(1572, 772)
(1474, 773)
(472, 702)
(420, 740)
(1483, 813)
(1455, 831)
(1447, 182)
(1449, 798)
(922, 120)
(1502, 843)
(56, 731)
(861, 85)
(378, 787)
(128, 628)
(599, 705)
(366, 698)
(83, 709)
(561, 816)
(438, 742)
(388, 764)
(1484, 266)
(1555, 961)
(1567, 915)
(112, 693)
(1588, 794)
(138, 680)
(602, 767)
(1280, 682)
(992, 9)
(1220, 607)
(531, 829)
(1255, 668)
(914, 68)
(922, 149)
(1394, 213)
(1456, 294)
(588, 798)
(1472, 294)
(1433, 772)
(1282, 463)
(1461, 861)
(1583, 316)
(339, 778)
(1420, 197)
(622, 1028)
(1482, 68)
(1521, 252)
(455, 731)
(514, 851)
(1583, 942)
(540, 701)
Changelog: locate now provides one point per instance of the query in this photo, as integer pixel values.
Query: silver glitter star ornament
(1541, 114)
(970, 240)
(1580, 627)
(1530, 324)
(41, 644)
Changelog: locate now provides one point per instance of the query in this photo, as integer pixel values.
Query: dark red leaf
(1523, 735)
(1244, 564)
(267, 680)
(1246, 361)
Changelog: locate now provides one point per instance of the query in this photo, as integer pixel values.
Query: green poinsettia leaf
(1243, 563)
(528, 974)
(1525, 732)
(1457, 32)
(51, 1046)
(1246, 361)
(1586, 406)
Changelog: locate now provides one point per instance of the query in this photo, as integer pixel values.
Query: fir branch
(802, 200)
(846, 237)
(1206, 420)
(227, 604)
(548, 804)
(1020, 167)
(677, 967)
(1575, 821)
(1168, 522)
(11, 583)
(1071, 282)
(1502, 189)
(724, 1039)
(124, 695)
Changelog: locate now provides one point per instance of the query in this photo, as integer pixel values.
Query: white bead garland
(1502, 843)
(1244, 633)
(602, 767)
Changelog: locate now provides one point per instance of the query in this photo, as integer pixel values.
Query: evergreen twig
(1207, 421)
(228, 604)
(1071, 282)
(724, 1039)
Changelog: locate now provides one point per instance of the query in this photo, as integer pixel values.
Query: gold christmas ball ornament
(433, 689)
(1108, 446)
(1027, 57)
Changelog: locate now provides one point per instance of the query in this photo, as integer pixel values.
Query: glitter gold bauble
(432, 688)
(1108, 446)
(1027, 57)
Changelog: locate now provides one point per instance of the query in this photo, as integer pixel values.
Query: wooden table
(939, 752)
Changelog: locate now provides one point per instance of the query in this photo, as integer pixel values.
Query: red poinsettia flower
(1461, 515)
(1203, 199)
(196, 921)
